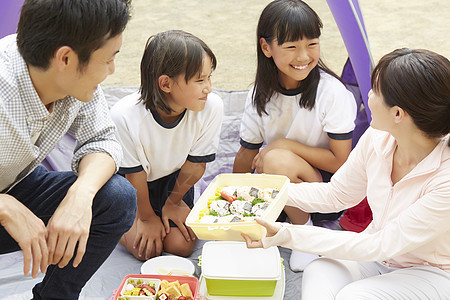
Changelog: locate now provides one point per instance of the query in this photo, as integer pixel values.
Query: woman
(402, 164)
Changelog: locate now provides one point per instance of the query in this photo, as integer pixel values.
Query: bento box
(231, 231)
(137, 287)
(167, 286)
(231, 269)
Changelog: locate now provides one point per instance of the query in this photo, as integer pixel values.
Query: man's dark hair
(84, 25)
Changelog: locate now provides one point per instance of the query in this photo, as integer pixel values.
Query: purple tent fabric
(9, 16)
(357, 71)
(347, 15)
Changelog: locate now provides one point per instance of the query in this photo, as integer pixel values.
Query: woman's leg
(419, 282)
(324, 277)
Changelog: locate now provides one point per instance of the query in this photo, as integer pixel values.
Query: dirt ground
(229, 26)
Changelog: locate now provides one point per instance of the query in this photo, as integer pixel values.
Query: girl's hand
(177, 212)
(149, 238)
(272, 229)
(258, 160)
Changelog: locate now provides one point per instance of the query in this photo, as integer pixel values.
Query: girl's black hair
(285, 21)
(170, 53)
(418, 81)
(84, 25)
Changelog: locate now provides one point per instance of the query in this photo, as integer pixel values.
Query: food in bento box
(138, 287)
(232, 204)
(174, 291)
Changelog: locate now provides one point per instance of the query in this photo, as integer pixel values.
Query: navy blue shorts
(161, 188)
(315, 217)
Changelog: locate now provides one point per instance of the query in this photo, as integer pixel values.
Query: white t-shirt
(333, 116)
(161, 148)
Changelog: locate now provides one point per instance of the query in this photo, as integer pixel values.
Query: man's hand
(70, 226)
(28, 231)
(149, 238)
(177, 212)
(272, 229)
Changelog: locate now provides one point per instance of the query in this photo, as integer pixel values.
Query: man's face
(82, 84)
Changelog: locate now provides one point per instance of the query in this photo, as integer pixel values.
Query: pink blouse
(411, 219)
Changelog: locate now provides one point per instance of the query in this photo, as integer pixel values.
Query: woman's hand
(272, 229)
(149, 238)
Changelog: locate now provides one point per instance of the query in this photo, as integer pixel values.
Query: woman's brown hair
(418, 81)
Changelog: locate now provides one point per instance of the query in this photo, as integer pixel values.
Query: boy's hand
(28, 231)
(150, 234)
(272, 229)
(177, 212)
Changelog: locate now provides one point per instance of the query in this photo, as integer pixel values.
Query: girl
(298, 107)
(403, 165)
(169, 131)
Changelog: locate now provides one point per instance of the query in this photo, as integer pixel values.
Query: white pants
(326, 278)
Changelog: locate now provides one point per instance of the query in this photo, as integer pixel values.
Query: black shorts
(161, 188)
(316, 217)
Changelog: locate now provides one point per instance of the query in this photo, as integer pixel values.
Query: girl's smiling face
(294, 60)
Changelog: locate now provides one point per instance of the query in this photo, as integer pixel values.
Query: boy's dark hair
(285, 21)
(418, 81)
(170, 53)
(84, 25)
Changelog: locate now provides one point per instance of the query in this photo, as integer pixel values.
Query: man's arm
(71, 221)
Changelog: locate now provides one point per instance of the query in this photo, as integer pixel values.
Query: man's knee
(119, 196)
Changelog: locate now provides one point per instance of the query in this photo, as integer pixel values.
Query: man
(66, 223)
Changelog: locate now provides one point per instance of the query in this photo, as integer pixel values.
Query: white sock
(299, 260)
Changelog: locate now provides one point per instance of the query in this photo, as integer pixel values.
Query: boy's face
(193, 94)
(83, 84)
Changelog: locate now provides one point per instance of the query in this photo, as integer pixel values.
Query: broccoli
(257, 200)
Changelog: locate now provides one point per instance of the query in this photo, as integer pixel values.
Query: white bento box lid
(233, 260)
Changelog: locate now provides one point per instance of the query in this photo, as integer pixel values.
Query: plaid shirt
(28, 132)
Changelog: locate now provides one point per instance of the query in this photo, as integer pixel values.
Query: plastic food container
(231, 269)
(232, 231)
(136, 278)
(192, 281)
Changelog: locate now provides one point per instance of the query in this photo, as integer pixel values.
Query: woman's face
(380, 111)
